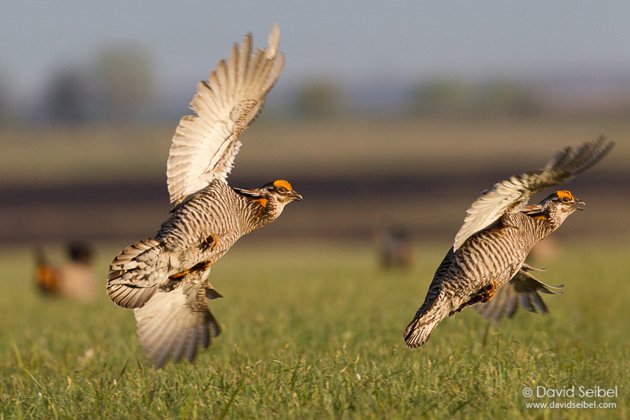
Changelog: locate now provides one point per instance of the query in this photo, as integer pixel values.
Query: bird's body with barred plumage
(165, 279)
(489, 252)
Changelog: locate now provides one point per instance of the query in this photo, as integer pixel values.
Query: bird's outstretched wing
(176, 321)
(522, 290)
(513, 194)
(205, 144)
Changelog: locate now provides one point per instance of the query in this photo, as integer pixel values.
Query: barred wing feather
(512, 194)
(521, 291)
(176, 323)
(205, 144)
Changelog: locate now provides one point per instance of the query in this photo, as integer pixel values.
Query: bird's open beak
(579, 204)
(295, 196)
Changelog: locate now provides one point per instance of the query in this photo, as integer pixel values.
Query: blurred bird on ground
(73, 279)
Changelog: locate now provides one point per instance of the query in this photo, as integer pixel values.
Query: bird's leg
(177, 278)
(489, 291)
(179, 275)
(208, 243)
(202, 266)
(484, 295)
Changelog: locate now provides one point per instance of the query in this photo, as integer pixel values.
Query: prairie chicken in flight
(499, 230)
(164, 279)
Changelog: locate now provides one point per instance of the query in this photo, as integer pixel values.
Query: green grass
(315, 332)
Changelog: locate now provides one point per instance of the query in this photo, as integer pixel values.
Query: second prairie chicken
(164, 279)
(500, 229)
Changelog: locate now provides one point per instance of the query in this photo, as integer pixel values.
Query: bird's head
(559, 205)
(280, 191)
(271, 197)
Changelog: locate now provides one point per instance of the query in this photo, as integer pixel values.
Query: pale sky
(349, 40)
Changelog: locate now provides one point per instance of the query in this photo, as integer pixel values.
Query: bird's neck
(260, 211)
(544, 224)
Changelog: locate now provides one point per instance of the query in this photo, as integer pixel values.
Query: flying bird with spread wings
(500, 229)
(165, 279)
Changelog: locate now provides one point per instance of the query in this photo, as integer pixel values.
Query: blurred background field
(384, 124)
(107, 183)
(395, 119)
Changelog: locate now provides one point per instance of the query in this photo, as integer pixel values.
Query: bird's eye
(565, 199)
(282, 190)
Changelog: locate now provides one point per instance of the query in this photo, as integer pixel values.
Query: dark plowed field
(428, 204)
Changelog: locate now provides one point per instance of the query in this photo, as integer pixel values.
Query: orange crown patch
(282, 183)
(565, 194)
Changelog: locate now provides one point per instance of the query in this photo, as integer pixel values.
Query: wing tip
(273, 41)
(256, 76)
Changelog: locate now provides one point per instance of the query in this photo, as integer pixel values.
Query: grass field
(314, 331)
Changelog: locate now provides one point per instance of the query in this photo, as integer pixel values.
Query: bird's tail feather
(418, 331)
(425, 321)
(134, 274)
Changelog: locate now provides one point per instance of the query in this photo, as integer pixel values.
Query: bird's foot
(484, 295)
(488, 292)
(202, 266)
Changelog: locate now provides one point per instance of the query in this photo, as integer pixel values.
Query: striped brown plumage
(498, 234)
(164, 279)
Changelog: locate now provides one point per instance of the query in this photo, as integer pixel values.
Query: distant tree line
(119, 86)
(323, 98)
(455, 98)
(113, 88)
